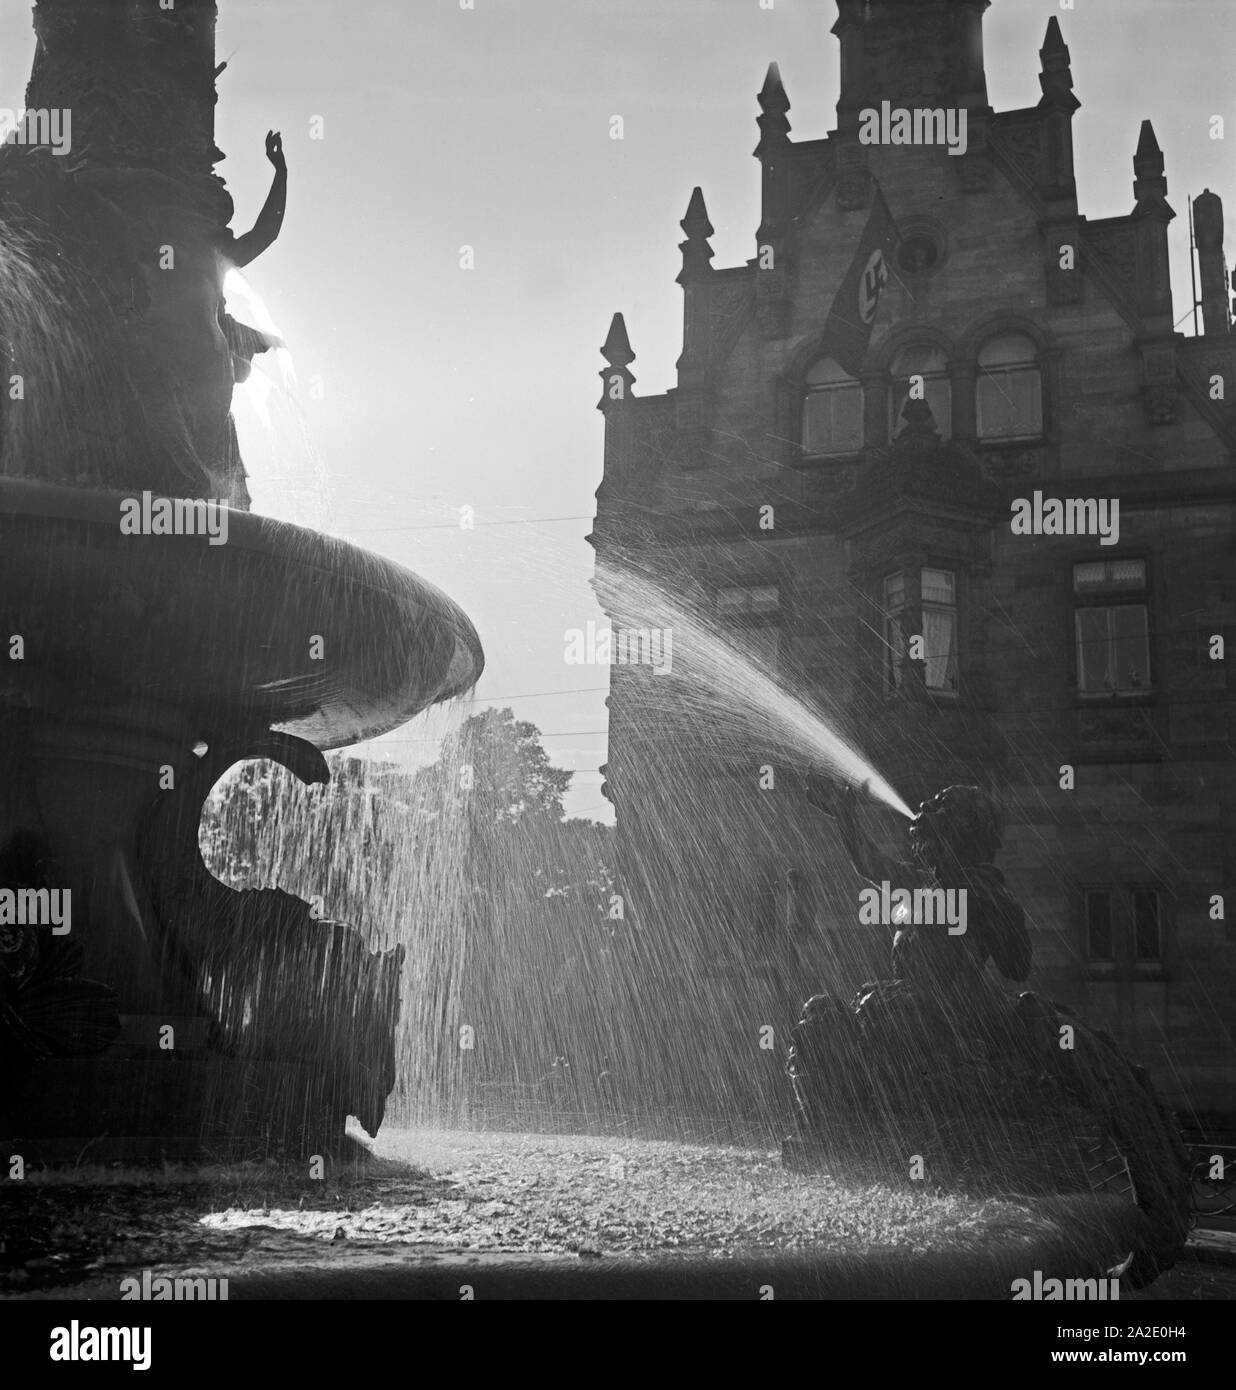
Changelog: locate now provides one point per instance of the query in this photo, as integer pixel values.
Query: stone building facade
(827, 519)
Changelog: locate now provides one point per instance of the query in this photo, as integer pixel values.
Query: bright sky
(441, 387)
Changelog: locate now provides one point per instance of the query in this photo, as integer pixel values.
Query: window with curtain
(926, 361)
(936, 593)
(1009, 402)
(832, 411)
(1112, 627)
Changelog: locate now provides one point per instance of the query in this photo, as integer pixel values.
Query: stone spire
(1056, 73)
(1058, 104)
(616, 379)
(1150, 182)
(911, 53)
(772, 121)
(771, 152)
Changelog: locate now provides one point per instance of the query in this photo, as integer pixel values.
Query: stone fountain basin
(279, 626)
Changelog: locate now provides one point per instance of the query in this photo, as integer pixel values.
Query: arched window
(922, 367)
(832, 411)
(1010, 389)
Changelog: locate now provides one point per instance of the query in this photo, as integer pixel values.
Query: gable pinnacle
(696, 252)
(774, 127)
(1056, 76)
(616, 378)
(1054, 41)
(1149, 182)
(1148, 145)
(696, 223)
(772, 93)
(617, 347)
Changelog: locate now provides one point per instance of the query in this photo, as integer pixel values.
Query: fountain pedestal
(134, 653)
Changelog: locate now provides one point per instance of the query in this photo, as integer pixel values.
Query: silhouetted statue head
(957, 825)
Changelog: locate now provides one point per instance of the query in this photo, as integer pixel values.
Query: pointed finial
(1056, 77)
(1149, 183)
(696, 223)
(617, 349)
(696, 252)
(1147, 144)
(615, 378)
(774, 127)
(772, 93)
(1054, 42)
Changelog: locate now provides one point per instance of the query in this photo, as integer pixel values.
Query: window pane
(748, 598)
(1131, 647)
(1089, 577)
(923, 358)
(1147, 940)
(1098, 576)
(763, 598)
(1099, 941)
(1127, 574)
(1009, 403)
(940, 647)
(1008, 350)
(937, 586)
(833, 420)
(1093, 651)
(928, 362)
(894, 591)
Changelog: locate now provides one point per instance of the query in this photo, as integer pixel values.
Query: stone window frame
(945, 375)
(878, 377)
(771, 620)
(1124, 966)
(1002, 324)
(911, 563)
(807, 390)
(1148, 596)
(961, 353)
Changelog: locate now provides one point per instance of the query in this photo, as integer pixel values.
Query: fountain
(156, 633)
(1016, 1093)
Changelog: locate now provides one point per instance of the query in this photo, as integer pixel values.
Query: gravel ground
(483, 1194)
(559, 1194)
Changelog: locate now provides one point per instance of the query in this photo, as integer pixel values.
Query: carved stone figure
(939, 1062)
